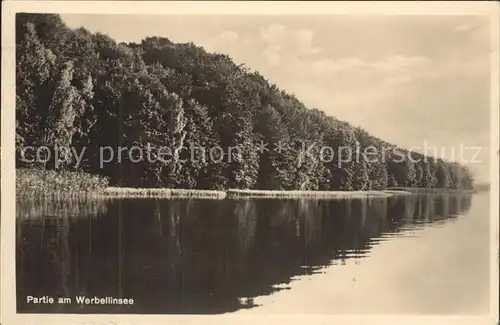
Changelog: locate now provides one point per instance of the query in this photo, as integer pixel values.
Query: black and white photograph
(244, 163)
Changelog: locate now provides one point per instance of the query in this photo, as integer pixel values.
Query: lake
(403, 254)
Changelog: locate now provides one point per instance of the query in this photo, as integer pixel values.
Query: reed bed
(398, 192)
(235, 193)
(42, 183)
(421, 190)
(126, 192)
(67, 185)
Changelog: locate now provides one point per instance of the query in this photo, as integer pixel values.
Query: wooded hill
(79, 89)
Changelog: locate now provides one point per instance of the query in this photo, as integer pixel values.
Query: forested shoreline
(82, 90)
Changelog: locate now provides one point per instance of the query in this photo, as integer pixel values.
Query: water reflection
(200, 256)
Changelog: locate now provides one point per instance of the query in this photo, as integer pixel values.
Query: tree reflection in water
(200, 256)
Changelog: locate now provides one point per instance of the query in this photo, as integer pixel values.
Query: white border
(9, 8)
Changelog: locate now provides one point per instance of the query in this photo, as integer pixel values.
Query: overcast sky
(410, 80)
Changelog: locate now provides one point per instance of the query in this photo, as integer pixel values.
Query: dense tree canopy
(82, 90)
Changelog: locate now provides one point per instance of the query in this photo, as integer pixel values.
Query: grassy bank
(34, 183)
(424, 190)
(304, 194)
(124, 192)
(42, 183)
(398, 192)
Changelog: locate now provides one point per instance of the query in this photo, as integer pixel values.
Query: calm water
(208, 256)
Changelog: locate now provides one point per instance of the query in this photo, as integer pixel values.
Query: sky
(420, 82)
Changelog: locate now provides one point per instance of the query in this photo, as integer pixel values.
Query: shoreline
(235, 193)
(130, 192)
(168, 193)
(424, 190)
(34, 184)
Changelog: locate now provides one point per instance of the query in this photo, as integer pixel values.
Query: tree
(442, 175)
(402, 168)
(273, 164)
(361, 180)
(378, 175)
(75, 88)
(455, 173)
(467, 180)
(194, 171)
(344, 145)
(428, 177)
(34, 69)
(419, 175)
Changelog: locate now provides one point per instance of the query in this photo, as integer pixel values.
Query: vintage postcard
(249, 162)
